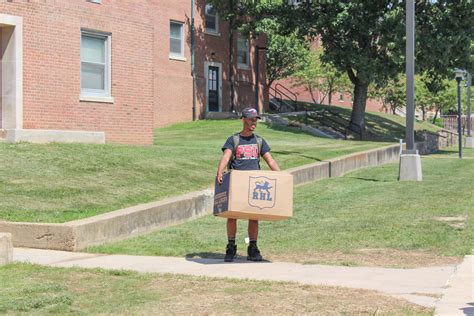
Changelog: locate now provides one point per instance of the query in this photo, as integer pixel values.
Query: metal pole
(459, 118)
(468, 96)
(410, 74)
(257, 77)
(193, 65)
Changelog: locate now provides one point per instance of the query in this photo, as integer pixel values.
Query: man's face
(250, 123)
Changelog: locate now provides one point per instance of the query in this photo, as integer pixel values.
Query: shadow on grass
(442, 152)
(368, 179)
(295, 153)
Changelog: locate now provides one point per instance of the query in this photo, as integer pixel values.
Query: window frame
(173, 55)
(245, 65)
(216, 18)
(98, 94)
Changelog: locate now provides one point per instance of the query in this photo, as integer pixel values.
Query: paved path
(421, 286)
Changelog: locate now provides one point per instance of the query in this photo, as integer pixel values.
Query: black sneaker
(253, 254)
(230, 252)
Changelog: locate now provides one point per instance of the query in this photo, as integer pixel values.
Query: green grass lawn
(63, 182)
(365, 215)
(30, 289)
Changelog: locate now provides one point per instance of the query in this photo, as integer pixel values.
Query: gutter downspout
(193, 49)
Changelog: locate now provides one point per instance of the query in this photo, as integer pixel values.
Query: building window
(95, 64)
(212, 21)
(176, 40)
(341, 95)
(243, 52)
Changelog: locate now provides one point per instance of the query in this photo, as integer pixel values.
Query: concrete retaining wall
(77, 235)
(6, 248)
(48, 136)
(140, 219)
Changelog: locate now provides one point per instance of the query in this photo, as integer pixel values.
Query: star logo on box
(262, 192)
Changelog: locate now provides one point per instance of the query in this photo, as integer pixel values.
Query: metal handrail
(277, 94)
(295, 97)
(322, 118)
(346, 123)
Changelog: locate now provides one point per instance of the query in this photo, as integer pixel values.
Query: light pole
(410, 160)
(459, 77)
(469, 138)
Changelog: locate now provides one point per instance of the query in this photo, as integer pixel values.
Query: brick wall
(149, 89)
(51, 46)
(173, 79)
(305, 96)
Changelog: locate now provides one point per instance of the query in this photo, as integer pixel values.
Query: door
(213, 88)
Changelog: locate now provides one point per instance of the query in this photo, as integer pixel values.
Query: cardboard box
(256, 195)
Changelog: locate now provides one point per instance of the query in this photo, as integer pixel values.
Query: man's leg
(231, 249)
(231, 228)
(253, 230)
(253, 253)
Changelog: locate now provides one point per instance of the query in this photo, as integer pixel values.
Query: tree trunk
(423, 113)
(358, 108)
(312, 94)
(436, 114)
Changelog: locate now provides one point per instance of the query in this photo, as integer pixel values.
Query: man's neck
(246, 133)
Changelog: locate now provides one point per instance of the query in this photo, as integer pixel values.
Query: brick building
(112, 70)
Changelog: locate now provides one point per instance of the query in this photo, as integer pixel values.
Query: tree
(320, 79)
(366, 39)
(392, 93)
(286, 55)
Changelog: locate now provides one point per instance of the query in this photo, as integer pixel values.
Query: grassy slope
(365, 209)
(380, 126)
(63, 182)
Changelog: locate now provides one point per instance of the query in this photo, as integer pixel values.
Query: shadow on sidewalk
(216, 258)
(468, 310)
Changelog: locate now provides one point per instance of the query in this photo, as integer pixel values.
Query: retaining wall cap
(129, 210)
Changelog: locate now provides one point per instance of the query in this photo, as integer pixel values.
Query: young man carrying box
(245, 155)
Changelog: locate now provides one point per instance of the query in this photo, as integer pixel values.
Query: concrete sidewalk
(421, 286)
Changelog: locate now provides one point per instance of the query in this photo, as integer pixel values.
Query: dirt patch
(458, 222)
(205, 296)
(390, 258)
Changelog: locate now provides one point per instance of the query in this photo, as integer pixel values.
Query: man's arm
(223, 164)
(271, 162)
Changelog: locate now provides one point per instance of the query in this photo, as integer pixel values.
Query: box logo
(262, 192)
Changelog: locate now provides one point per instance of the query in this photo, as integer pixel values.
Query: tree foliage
(366, 38)
(321, 79)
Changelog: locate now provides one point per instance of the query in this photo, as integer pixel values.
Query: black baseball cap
(250, 113)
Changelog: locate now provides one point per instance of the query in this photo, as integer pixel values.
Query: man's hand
(223, 164)
(219, 178)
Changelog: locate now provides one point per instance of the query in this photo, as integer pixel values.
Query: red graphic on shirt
(245, 152)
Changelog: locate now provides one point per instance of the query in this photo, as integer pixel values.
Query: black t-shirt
(246, 154)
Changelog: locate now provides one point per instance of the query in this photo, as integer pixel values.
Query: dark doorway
(213, 88)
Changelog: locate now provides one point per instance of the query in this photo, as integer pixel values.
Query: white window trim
(172, 55)
(209, 31)
(96, 99)
(89, 94)
(247, 64)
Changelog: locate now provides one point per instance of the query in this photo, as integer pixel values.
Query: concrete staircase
(284, 119)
